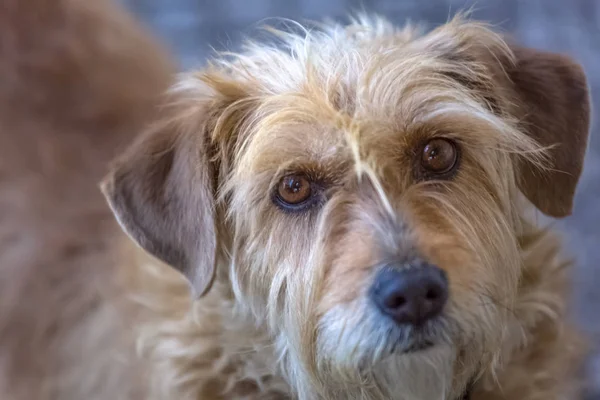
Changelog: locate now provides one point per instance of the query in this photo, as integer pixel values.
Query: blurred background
(191, 28)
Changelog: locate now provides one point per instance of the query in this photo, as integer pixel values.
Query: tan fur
(538, 359)
(283, 310)
(350, 107)
(78, 79)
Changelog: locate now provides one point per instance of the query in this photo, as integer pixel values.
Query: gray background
(191, 27)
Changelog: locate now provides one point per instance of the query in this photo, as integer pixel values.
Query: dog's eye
(294, 190)
(439, 156)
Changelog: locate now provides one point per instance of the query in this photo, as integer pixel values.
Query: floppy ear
(551, 95)
(161, 191)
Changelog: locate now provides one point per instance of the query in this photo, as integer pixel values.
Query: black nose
(410, 295)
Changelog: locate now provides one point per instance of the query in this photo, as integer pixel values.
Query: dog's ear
(551, 95)
(162, 190)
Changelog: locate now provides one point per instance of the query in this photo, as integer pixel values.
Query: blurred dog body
(78, 79)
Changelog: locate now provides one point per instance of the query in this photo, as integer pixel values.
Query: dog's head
(358, 186)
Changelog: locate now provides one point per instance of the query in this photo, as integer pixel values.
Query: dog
(347, 211)
(78, 80)
(339, 212)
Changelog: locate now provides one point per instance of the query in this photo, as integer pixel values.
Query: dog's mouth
(406, 342)
(414, 346)
(415, 339)
(418, 346)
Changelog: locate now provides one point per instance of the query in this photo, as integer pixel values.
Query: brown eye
(294, 190)
(439, 156)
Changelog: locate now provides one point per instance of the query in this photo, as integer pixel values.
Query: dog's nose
(410, 295)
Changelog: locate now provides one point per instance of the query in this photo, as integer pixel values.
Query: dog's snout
(410, 295)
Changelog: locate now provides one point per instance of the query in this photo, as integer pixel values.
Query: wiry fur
(284, 311)
(288, 313)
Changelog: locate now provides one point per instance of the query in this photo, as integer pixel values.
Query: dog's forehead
(319, 90)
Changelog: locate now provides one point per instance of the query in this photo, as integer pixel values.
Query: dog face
(358, 187)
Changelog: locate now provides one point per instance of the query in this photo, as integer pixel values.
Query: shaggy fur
(285, 310)
(278, 306)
